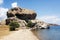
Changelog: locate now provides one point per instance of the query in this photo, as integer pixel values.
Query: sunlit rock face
(20, 13)
(40, 24)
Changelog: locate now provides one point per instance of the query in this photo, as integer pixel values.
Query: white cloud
(3, 13)
(51, 19)
(1, 1)
(14, 4)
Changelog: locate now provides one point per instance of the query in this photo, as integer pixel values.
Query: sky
(47, 10)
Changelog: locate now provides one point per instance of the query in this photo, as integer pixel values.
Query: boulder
(20, 13)
(22, 23)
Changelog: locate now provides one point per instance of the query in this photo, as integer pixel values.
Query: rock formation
(39, 24)
(23, 16)
(20, 13)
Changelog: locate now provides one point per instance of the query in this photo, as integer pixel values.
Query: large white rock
(40, 24)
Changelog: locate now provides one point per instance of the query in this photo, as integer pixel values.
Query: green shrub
(13, 25)
(29, 24)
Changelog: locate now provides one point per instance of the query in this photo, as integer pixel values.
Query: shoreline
(35, 33)
(22, 34)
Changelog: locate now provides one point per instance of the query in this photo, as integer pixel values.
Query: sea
(49, 34)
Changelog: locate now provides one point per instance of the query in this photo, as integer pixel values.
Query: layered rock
(20, 13)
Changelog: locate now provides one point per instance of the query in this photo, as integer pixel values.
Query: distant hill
(53, 24)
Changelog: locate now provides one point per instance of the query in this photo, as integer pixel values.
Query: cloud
(51, 19)
(1, 1)
(3, 13)
(14, 4)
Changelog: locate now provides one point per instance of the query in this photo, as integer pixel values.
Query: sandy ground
(22, 34)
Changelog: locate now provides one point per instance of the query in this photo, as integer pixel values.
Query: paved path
(22, 34)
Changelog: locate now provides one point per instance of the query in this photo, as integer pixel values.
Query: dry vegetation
(4, 30)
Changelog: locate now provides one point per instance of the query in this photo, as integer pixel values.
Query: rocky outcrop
(43, 26)
(22, 23)
(23, 16)
(40, 24)
(20, 13)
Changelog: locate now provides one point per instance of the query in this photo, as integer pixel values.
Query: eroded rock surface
(20, 13)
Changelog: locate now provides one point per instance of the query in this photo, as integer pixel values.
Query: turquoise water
(49, 34)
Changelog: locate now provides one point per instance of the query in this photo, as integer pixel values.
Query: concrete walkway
(22, 34)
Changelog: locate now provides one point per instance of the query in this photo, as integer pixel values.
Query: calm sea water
(49, 34)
